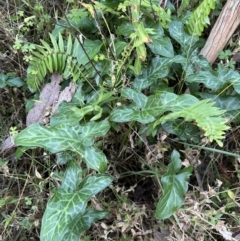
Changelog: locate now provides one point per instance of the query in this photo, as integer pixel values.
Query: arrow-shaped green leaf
(64, 137)
(175, 186)
(155, 106)
(66, 216)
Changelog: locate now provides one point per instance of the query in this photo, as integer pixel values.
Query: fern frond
(199, 18)
(206, 116)
(59, 58)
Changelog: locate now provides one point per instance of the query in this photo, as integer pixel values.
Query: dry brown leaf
(236, 234)
(222, 229)
(65, 95)
(161, 236)
(7, 145)
(48, 96)
(49, 100)
(236, 57)
(47, 105)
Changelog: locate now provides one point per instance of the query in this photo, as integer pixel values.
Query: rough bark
(226, 24)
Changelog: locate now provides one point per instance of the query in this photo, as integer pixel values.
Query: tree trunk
(222, 31)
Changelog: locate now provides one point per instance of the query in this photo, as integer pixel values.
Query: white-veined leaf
(64, 137)
(66, 216)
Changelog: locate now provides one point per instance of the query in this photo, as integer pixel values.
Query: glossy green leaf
(139, 98)
(175, 186)
(64, 137)
(65, 114)
(54, 43)
(183, 6)
(161, 46)
(159, 68)
(81, 112)
(65, 156)
(79, 96)
(155, 106)
(216, 80)
(229, 103)
(184, 130)
(177, 32)
(82, 223)
(61, 43)
(130, 113)
(15, 82)
(46, 45)
(75, 47)
(66, 216)
(158, 30)
(194, 62)
(94, 158)
(72, 177)
(11, 80)
(91, 49)
(69, 45)
(125, 29)
(119, 46)
(3, 80)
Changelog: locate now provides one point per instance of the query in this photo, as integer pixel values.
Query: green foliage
(187, 42)
(33, 16)
(210, 120)
(175, 186)
(133, 70)
(225, 57)
(10, 80)
(220, 80)
(186, 131)
(65, 137)
(225, 54)
(184, 5)
(199, 18)
(68, 59)
(228, 103)
(148, 109)
(66, 216)
(140, 34)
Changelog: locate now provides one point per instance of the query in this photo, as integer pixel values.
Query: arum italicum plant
(100, 104)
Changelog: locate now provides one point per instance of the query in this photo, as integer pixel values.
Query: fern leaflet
(199, 19)
(57, 59)
(206, 116)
